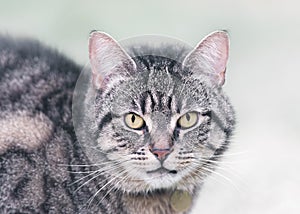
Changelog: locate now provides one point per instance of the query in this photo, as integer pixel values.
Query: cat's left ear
(209, 58)
(109, 61)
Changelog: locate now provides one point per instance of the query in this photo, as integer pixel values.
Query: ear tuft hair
(209, 58)
(107, 58)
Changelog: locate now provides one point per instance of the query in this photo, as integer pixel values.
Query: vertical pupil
(133, 118)
(188, 117)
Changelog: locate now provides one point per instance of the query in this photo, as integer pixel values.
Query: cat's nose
(160, 154)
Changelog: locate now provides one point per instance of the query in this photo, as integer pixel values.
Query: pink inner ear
(98, 44)
(215, 48)
(101, 48)
(106, 54)
(211, 55)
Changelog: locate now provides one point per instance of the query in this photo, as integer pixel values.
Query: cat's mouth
(162, 170)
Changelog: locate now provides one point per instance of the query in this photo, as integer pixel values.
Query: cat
(148, 129)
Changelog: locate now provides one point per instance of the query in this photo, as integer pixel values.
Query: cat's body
(45, 169)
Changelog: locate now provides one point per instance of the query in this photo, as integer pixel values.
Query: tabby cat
(145, 128)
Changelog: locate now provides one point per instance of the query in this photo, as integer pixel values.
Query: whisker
(222, 176)
(217, 161)
(206, 174)
(124, 178)
(85, 165)
(80, 172)
(98, 191)
(99, 172)
(201, 173)
(221, 166)
(94, 172)
(232, 154)
(88, 203)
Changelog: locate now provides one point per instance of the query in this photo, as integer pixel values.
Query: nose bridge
(161, 141)
(160, 133)
(160, 120)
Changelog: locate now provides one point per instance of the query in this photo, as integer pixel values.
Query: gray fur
(103, 168)
(24, 131)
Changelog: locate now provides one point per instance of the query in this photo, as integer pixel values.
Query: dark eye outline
(185, 128)
(134, 114)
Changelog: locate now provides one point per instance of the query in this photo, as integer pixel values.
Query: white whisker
(116, 184)
(110, 181)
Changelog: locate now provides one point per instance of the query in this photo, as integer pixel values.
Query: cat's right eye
(188, 120)
(134, 121)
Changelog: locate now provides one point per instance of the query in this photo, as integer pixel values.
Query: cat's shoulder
(36, 86)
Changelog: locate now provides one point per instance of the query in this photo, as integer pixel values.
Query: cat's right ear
(109, 62)
(209, 58)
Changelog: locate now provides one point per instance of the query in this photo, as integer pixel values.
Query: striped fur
(105, 167)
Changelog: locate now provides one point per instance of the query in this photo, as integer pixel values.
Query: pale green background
(263, 170)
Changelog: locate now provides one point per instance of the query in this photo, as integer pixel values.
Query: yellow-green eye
(134, 121)
(188, 120)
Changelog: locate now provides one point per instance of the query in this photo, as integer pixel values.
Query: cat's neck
(168, 202)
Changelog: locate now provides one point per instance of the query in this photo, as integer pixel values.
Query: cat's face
(158, 125)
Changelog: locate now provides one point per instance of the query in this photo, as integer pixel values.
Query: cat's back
(30, 73)
(36, 87)
(36, 132)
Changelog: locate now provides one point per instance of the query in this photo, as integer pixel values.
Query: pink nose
(160, 154)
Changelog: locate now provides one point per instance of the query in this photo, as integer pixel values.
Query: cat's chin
(162, 171)
(151, 181)
(162, 179)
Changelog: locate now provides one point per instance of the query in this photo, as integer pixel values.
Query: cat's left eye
(188, 120)
(134, 121)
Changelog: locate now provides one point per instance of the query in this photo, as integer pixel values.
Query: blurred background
(261, 171)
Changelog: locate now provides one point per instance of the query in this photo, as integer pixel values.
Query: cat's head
(159, 122)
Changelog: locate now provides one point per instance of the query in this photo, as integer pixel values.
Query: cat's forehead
(159, 90)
